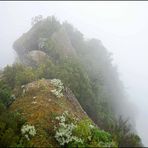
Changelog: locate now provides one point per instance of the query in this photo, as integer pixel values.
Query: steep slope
(85, 66)
(55, 117)
(87, 60)
(39, 107)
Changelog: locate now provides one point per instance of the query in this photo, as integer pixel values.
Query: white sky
(121, 26)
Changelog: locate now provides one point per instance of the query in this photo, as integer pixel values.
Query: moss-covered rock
(39, 107)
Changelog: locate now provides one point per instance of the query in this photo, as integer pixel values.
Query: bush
(81, 134)
(83, 129)
(10, 129)
(64, 131)
(28, 131)
(92, 136)
(5, 93)
(2, 108)
(18, 74)
(59, 87)
(123, 135)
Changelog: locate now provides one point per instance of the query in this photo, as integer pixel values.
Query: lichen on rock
(58, 88)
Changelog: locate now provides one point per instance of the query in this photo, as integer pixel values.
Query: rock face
(30, 49)
(38, 106)
(37, 56)
(63, 43)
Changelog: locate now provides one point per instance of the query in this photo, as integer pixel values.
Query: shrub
(2, 107)
(28, 131)
(18, 74)
(64, 131)
(83, 129)
(59, 87)
(5, 93)
(81, 134)
(10, 126)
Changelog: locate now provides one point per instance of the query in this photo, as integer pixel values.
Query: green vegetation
(18, 75)
(10, 129)
(81, 134)
(84, 66)
(5, 93)
(123, 134)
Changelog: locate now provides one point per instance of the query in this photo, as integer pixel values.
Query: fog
(121, 26)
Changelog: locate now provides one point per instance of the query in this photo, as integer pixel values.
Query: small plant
(81, 134)
(64, 131)
(28, 131)
(59, 87)
(92, 136)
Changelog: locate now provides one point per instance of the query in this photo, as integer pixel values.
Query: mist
(121, 26)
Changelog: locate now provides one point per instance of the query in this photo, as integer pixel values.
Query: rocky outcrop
(38, 105)
(37, 56)
(63, 43)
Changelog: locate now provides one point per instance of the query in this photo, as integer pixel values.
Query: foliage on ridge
(85, 66)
